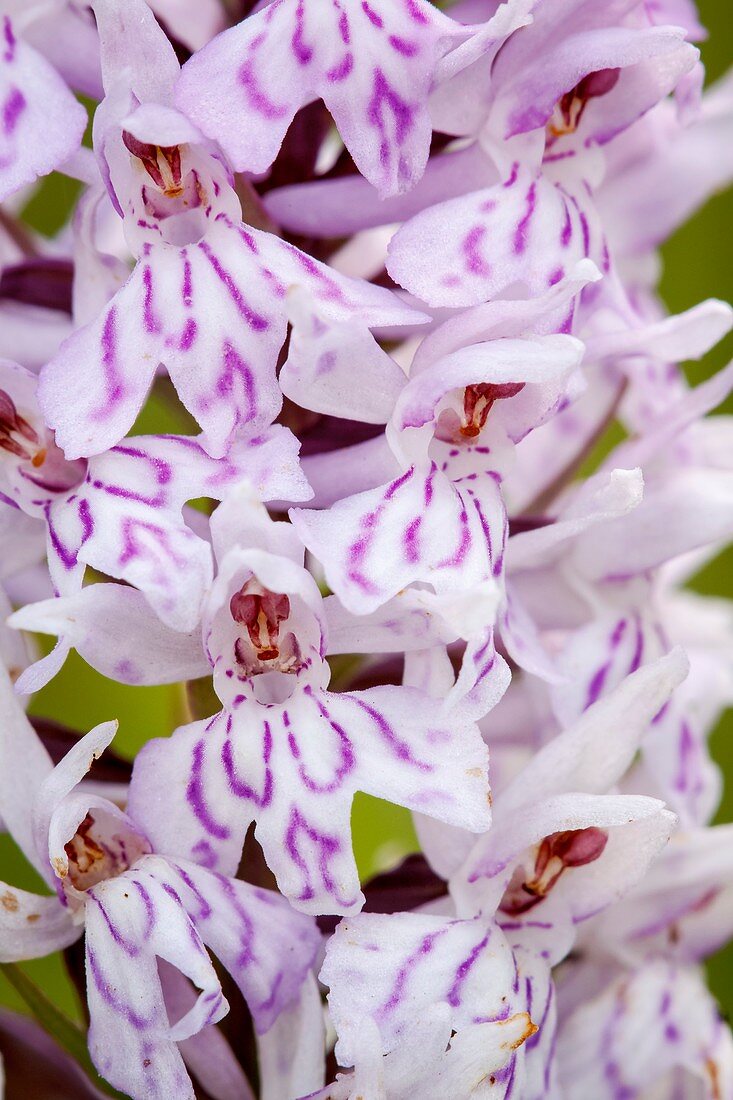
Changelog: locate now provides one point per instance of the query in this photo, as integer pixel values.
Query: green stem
(344, 667)
(66, 1033)
(201, 699)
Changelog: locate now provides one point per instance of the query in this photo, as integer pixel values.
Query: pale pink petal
(134, 50)
(116, 632)
(361, 466)
(373, 65)
(542, 364)
(509, 319)
(666, 170)
(67, 37)
(341, 206)
(420, 527)
(631, 831)
(692, 509)
(391, 969)
(620, 1042)
(600, 498)
(584, 758)
(33, 926)
(41, 123)
(688, 335)
(193, 24)
(266, 946)
(294, 768)
(25, 766)
(125, 518)
(404, 623)
(132, 920)
(292, 1053)
(688, 924)
(220, 302)
(651, 61)
(204, 824)
(526, 231)
(319, 371)
(207, 1054)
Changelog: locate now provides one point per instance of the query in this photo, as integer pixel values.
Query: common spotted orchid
(539, 119)
(373, 64)
(641, 969)
(442, 521)
(346, 435)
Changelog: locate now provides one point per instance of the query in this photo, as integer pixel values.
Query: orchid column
(346, 406)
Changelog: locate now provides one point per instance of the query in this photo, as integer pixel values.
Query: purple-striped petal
(214, 313)
(131, 921)
(294, 768)
(41, 123)
(424, 526)
(468, 250)
(373, 64)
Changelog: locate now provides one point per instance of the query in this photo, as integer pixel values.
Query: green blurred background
(696, 266)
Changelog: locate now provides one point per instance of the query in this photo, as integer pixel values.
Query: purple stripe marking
(132, 950)
(13, 108)
(399, 746)
(257, 98)
(303, 52)
(521, 234)
(108, 995)
(453, 995)
(328, 846)
(374, 17)
(346, 750)
(474, 262)
(237, 785)
(195, 796)
(255, 320)
(424, 948)
(150, 320)
(114, 385)
(10, 40)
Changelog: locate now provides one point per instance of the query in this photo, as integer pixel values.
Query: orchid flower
(521, 118)
(63, 32)
(599, 1053)
(436, 540)
(373, 64)
(442, 520)
(135, 907)
(612, 612)
(120, 512)
(182, 220)
(460, 977)
(284, 751)
(486, 974)
(640, 969)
